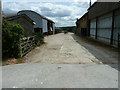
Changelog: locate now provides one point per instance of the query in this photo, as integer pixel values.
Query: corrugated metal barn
(104, 20)
(42, 24)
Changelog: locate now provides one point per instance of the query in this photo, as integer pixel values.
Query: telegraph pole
(90, 3)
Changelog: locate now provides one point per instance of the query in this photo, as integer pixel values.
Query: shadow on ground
(105, 53)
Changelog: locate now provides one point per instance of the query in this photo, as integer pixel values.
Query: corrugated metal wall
(53, 28)
(35, 17)
(104, 26)
(107, 20)
(93, 28)
(116, 27)
(44, 25)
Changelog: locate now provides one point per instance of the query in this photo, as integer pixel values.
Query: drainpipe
(111, 41)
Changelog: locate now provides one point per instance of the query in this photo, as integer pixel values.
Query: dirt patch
(11, 61)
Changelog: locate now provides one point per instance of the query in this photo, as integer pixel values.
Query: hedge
(11, 33)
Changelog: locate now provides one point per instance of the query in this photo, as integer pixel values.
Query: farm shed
(104, 20)
(24, 21)
(43, 24)
(51, 27)
(82, 25)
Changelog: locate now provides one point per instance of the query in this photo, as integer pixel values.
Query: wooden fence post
(20, 48)
(26, 45)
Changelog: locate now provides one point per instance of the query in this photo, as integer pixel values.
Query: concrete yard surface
(42, 75)
(64, 61)
(61, 49)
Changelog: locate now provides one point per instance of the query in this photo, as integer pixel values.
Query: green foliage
(11, 33)
(68, 29)
(39, 38)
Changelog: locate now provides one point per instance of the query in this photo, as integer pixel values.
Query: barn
(43, 24)
(24, 21)
(104, 18)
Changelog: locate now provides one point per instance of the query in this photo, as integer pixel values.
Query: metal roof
(11, 17)
(36, 13)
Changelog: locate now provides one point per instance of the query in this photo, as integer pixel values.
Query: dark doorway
(38, 30)
(83, 32)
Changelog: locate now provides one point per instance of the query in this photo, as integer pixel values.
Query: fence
(26, 45)
(118, 40)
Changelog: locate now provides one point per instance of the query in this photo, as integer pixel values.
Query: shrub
(11, 33)
(39, 38)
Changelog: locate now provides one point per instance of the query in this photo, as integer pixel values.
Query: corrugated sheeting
(53, 26)
(104, 28)
(93, 28)
(35, 17)
(44, 25)
(107, 17)
(116, 27)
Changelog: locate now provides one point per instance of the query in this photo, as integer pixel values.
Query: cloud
(63, 14)
(59, 12)
(45, 0)
(81, 4)
(9, 11)
(45, 9)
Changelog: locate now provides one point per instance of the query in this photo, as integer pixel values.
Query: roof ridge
(36, 13)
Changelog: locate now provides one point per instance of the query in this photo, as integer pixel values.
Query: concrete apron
(42, 75)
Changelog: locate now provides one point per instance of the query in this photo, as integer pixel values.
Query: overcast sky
(62, 12)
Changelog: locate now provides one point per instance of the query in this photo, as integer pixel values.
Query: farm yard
(60, 46)
(64, 49)
(63, 58)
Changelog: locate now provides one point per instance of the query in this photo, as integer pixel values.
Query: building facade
(24, 21)
(82, 26)
(104, 18)
(101, 22)
(42, 24)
